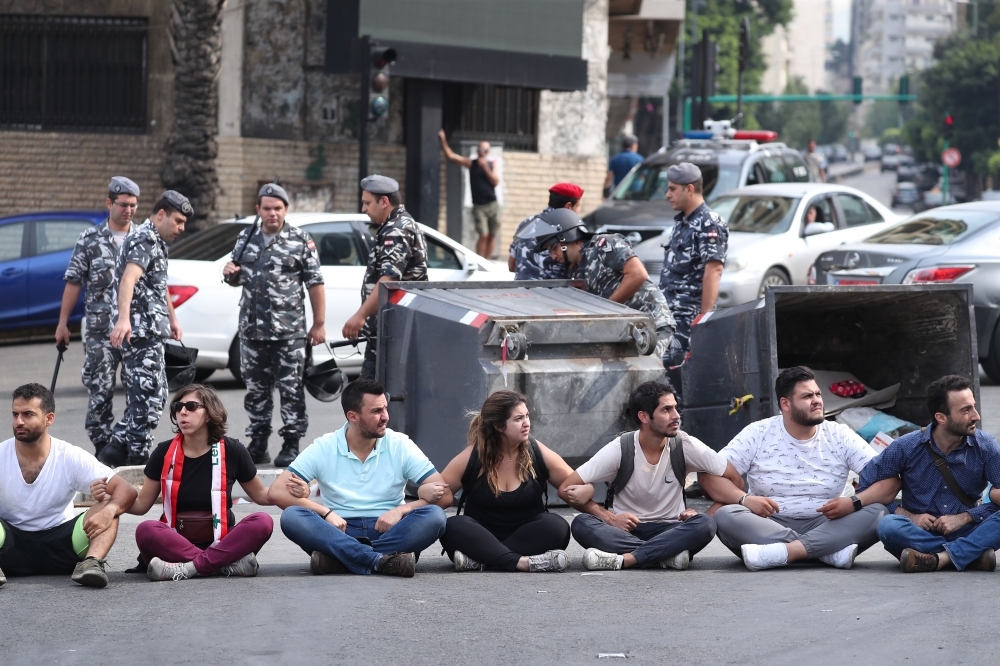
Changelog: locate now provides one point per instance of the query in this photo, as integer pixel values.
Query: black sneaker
(137, 459)
(258, 451)
(113, 455)
(398, 564)
(289, 452)
(90, 573)
(321, 564)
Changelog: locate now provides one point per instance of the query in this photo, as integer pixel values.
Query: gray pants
(738, 525)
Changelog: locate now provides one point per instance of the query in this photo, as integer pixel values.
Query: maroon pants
(249, 535)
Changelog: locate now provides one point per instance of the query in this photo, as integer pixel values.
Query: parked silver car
(959, 243)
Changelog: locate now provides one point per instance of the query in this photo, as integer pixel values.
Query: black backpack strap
(625, 468)
(469, 477)
(541, 470)
(678, 464)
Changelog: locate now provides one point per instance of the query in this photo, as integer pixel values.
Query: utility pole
(364, 76)
(743, 62)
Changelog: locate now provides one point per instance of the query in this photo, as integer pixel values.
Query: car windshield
(209, 244)
(649, 183)
(757, 215)
(935, 228)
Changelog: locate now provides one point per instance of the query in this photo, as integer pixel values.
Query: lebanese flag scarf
(170, 484)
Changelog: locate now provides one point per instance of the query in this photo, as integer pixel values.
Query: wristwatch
(857, 503)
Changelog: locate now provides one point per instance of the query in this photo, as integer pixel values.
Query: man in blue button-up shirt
(932, 527)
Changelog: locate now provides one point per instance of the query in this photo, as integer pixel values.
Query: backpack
(475, 466)
(627, 466)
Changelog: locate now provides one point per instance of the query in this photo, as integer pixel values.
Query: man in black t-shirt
(483, 180)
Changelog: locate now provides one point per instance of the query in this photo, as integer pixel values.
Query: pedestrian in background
(277, 261)
(92, 267)
(484, 176)
(524, 261)
(398, 253)
(693, 260)
(814, 162)
(143, 318)
(622, 163)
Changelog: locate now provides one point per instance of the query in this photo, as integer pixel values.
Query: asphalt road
(878, 184)
(716, 612)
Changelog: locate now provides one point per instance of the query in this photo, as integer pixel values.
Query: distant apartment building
(892, 37)
(800, 49)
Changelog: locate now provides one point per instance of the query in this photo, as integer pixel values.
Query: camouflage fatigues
(602, 266)
(273, 325)
(92, 266)
(399, 251)
(695, 240)
(531, 265)
(146, 385)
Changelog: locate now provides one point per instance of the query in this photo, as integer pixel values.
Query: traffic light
(744, 54)
(904, 88)
(857, 90)
(949, 126)
(378, 81)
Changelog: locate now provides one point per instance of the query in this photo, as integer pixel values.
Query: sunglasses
(191, 406)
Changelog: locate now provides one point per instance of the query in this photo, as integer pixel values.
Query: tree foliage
(798, 122)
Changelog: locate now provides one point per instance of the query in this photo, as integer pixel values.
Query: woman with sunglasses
(198, 535)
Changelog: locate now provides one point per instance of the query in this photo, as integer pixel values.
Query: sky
(842, 20)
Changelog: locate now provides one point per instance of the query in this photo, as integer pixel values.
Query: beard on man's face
(804, 418)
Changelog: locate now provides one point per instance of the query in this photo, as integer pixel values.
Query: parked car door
(51, 247)
(444, 263)
(859, 217)
(827, 211)
(13, 274)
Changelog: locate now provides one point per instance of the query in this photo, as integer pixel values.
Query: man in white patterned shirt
(796, 465)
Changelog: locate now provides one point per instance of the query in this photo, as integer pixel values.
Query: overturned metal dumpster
(884, 335)
(575, 355)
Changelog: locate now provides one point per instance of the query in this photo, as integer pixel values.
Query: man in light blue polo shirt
(363, 525)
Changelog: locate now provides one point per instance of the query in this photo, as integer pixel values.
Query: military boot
(258, 451)
(289, 451)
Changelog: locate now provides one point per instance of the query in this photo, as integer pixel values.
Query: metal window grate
(73, 72)
(494, 113)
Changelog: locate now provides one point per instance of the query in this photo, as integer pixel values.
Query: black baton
(62, 347)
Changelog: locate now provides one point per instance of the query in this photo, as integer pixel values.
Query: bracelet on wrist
(743, 499)
(328, 512)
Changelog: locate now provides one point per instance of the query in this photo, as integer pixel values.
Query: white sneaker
(598, 560)
(465, 563)
(680, 561)
(764, 556)
(160, 570)
(245, 566)
(551, 560)
(843, 558)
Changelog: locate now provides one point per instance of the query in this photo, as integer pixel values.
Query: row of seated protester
(777, 488)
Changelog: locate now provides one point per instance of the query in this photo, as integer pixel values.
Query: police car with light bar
(728, 159)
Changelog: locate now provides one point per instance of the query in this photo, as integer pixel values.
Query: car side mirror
(816, 228)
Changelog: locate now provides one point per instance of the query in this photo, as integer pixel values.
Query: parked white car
(770, 242)
(208, 309)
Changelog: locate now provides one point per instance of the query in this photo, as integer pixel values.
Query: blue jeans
(964, 546)
(414, 532)
(649, 543)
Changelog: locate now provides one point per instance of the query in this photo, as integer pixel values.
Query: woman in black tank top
(506, 525)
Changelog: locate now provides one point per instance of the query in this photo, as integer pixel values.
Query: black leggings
(546, 531)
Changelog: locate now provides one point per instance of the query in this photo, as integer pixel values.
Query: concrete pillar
(231, 69)
(423, 150)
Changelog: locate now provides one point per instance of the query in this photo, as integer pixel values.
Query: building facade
(801, 49)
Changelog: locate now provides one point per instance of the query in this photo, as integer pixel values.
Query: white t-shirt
(653, 493)
(800, 476)
(48, 501)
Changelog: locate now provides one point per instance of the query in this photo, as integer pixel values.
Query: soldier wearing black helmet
(608, 265)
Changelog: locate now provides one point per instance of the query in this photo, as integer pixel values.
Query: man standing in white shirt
(796, 466)
(40, 534)
(645, 523)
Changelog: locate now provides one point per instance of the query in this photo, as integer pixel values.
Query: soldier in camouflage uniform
(611, 269)
(693, 258)
(524, 262)
(92, 267)
(399, 252)
(273, 263)
(143, 318)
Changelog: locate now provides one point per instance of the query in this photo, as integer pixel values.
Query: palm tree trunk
(191, 150)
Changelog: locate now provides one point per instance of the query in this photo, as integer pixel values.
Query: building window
(494, 113)
(73, 72)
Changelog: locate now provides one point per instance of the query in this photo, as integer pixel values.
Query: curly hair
(214, 410)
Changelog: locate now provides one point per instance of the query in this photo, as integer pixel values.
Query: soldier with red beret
(524, 262)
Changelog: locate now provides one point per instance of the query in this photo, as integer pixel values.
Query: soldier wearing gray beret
(379, 185)
(684, 173)
(272, 190)
(122, 185)
(179, 202)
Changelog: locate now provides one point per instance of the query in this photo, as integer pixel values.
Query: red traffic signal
(949, 125)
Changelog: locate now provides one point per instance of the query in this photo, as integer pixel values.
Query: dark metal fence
(73, 72)
(493, 113)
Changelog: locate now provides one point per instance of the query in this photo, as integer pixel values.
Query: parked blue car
(34, 251)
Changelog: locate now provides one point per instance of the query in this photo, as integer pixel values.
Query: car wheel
(201, 374)
(774, 277)
(234, 361)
